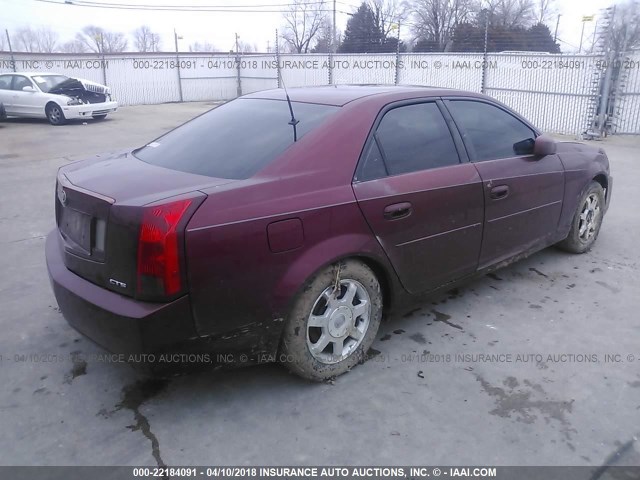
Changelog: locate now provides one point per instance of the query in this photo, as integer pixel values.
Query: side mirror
(28, 88)
(544, 145)
(524, 147)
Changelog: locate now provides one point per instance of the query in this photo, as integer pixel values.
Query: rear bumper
(126, 326)
(117, 323)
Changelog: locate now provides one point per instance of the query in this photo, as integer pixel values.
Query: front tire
(586, 221)
(55, 115)
(329, 330)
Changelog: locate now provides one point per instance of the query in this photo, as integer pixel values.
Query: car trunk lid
(99, 208)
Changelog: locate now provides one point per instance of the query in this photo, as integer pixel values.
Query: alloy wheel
(338, 321)
(55, 114)
(589, 218)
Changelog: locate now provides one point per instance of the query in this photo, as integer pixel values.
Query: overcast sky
(219, 28)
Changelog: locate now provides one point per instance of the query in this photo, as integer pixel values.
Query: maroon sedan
(283, 228)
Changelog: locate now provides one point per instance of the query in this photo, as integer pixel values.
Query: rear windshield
(235, 140)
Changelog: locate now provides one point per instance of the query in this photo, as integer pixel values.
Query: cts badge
(117, 283)
(62, 195)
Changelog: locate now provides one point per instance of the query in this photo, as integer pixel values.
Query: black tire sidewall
(62, 118)
(294, 351)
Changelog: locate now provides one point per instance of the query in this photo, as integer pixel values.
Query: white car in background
(57, 98)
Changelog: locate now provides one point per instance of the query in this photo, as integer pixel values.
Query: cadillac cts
(283, 227)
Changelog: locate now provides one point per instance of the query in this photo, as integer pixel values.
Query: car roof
(340, 95)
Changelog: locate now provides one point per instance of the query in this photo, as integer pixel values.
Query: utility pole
(555, 35)
(334, 45)
(585, 19)
(13, 60)
(397, 73)
(239, 86)
(104, 60)
(175, 39)
(277, 47)
(606, 87)
(485, 56)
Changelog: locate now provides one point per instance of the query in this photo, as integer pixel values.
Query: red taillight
(158, 249)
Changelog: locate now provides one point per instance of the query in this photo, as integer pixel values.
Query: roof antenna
(293, 122)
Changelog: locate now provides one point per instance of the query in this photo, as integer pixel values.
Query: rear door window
(408, 139)
(235, 140)
(5, 82)
(489, 132)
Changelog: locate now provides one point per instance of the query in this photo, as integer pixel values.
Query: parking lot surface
(537, 364)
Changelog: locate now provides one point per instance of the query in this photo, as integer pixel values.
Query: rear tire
(586, 221)
(99, 117)
(329, 330)
(55, 115)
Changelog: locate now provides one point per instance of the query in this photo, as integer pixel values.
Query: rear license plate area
(76, 226)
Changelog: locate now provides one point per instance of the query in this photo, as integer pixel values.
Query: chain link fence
(558, 93)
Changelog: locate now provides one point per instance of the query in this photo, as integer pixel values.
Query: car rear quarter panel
(235, 278)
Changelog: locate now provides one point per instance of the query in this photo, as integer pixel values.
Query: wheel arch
(603, 180)
(49, 103)
(305, 268)
(383, 276)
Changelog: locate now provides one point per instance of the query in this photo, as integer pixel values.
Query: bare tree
(91, 37)
(25, 40)
(98, 40)
(202, 47)
(115, 42)
(625, 28)
(436, 20)
(323, 38)
(246, 47)
(512, 13)
(43, 40)
(388, 14)
(545, 10)
(303, 21)
(47, 40)
(146, 40)
(73, 46)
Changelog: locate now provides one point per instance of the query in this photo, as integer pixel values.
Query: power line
(254, 8)
(144, 5)
(565, 42)
(152, 8)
